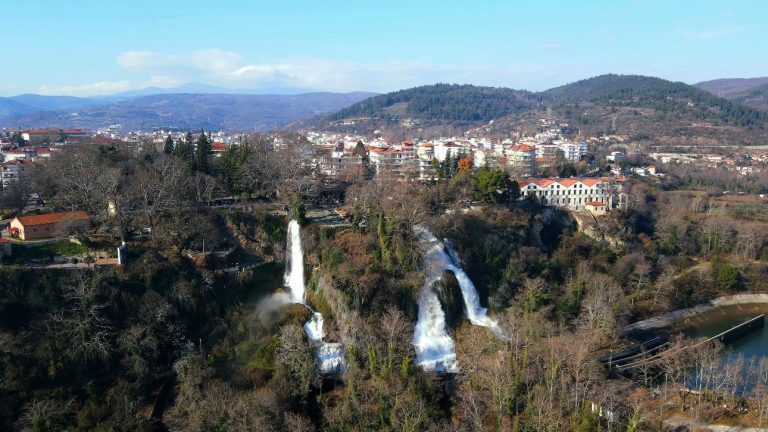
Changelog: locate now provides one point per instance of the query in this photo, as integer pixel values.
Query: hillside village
(564, 238)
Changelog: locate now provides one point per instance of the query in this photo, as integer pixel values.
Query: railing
(726, 336)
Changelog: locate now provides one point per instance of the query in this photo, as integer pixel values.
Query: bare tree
(83, 325)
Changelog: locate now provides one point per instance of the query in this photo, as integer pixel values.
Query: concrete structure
(340, 164)
(426, 154)
(597, 208)
(10, 171)
(521, 160)
(399, 163)
(573, 152)
(46, 225)
(615, 156)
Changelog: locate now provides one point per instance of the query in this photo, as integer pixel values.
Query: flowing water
(435, 349)
(439, 256)
(330, 356)
(294, 263)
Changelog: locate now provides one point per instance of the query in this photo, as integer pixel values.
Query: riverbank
(674, 318)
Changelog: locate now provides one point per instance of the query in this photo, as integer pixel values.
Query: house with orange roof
(47, 225)
(575, 193)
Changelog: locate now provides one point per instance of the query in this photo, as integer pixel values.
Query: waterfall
(438, 258)
(330, 356)
(294, 263)
(435, 350)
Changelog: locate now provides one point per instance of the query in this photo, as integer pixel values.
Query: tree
(491, 185)
(514, 191)
(295, 360)
(202, 151)
(184, 149)
(16, 194)
(168, 149)
(17, 139)
(465, 164)
(231, 167)
(727, 276)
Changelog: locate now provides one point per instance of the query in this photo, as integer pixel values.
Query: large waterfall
(437, 258)
(330, 356)
(435, 350)
(294, 263)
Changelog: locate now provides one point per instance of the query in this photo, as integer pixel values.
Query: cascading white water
(294, 263)
(438, 258)
(435, 350)
(330, 356)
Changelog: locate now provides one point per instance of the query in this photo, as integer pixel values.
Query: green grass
(49, 250)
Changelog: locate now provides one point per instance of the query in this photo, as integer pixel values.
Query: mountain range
(135, 111)
(644, 108)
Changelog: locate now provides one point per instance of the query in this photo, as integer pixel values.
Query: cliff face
(604, 229)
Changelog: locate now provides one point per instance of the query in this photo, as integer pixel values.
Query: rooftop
(49, 218)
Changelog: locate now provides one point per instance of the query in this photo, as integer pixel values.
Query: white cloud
(93, 89)
(211, 60)
(225, 68)
(228, 69)
(709, 34)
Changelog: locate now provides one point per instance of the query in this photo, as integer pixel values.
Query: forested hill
(747, 91)
(442, 102)
(637, 106)
(663, 96)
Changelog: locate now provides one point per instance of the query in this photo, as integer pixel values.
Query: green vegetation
(443, 102)
(661, 95)
(49, 250)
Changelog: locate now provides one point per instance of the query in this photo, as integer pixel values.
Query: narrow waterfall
(330, 356)
(438, 258)
(294, 263)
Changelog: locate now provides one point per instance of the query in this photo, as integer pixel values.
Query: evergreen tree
(185, 150)
(202, 151)
(168, 149)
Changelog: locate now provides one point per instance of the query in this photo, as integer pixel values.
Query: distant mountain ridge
(748, 91)
(237, 112)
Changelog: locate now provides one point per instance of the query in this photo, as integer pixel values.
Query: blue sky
(102, 47)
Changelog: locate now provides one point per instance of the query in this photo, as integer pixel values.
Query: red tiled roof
(595, 204)
(522, 147)
(591, 181)
(567, 182)
(49, 218)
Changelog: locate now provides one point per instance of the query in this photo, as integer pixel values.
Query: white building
(616, 156)
(573, 152)
(521, 160)
(575, 193)
(400, 163)
(10, 171)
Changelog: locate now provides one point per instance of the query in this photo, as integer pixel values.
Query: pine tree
(184, 150)
(202, 150)
(168, 149)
